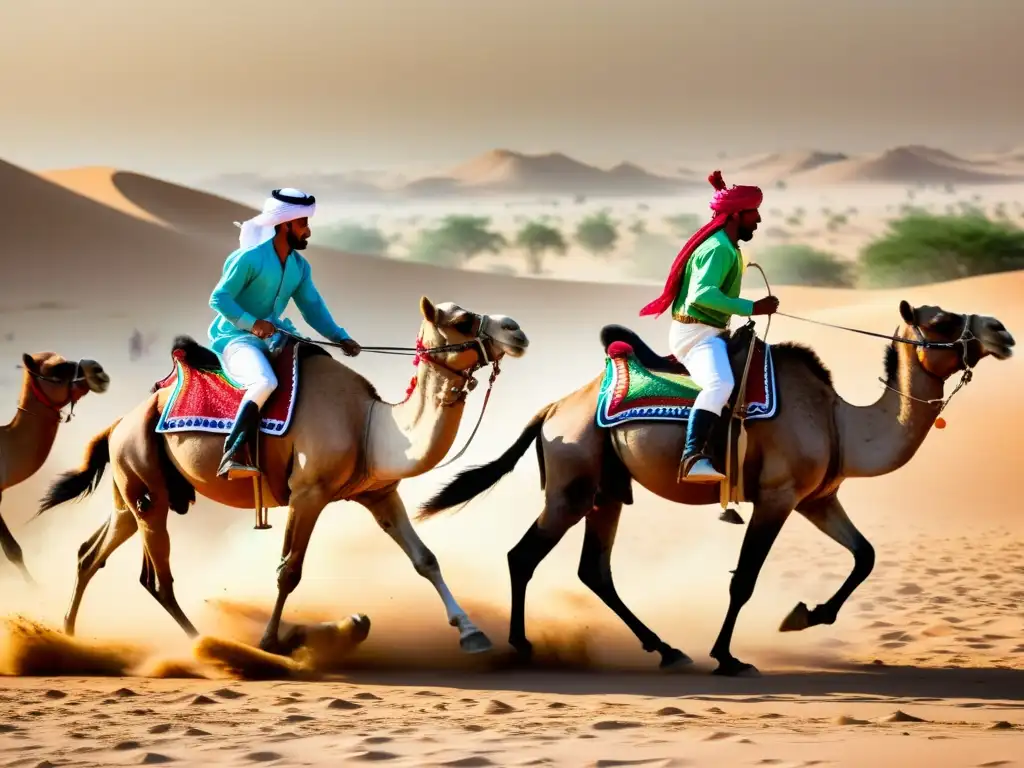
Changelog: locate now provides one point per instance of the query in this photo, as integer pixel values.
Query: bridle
(963, 363)
(48, 402)
(920, 342)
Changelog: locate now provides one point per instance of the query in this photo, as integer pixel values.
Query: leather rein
(465, 382)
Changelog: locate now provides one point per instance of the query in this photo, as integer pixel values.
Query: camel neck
(416, 434)
(25, 442)
(880, 438)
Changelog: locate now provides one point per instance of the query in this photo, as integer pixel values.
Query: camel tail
(79, 483)
(471, 482)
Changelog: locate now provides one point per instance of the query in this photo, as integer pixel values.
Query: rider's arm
(710, 268)
(314, 310)
(238, 271)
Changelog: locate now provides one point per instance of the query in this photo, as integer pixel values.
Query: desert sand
(925, 665)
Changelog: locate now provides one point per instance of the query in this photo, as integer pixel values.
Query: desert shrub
(457, 239)
(794, 264)
(538, 238)
(922, 248)
(597, 233)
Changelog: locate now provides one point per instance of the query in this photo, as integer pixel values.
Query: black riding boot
(242, 437)
(696, 466)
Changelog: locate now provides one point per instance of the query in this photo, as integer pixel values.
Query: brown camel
(797, 460)
(344, 443)
(49, 385)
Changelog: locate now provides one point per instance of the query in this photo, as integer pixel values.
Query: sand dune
(505, 171)
(906, 165)
(779, 166)
(930, 646)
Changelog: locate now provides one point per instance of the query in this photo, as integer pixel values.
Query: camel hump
(194, 355)
(619, 340)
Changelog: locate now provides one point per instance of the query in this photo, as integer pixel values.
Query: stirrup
(236, 470)
(698, 469)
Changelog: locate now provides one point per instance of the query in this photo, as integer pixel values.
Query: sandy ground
(925, 665)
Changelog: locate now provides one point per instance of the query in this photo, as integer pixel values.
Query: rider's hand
(263, 329)
(350, 347)
(769, 305)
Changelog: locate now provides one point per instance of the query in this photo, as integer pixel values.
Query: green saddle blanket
(631, 392)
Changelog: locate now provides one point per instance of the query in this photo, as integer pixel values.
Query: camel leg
(94, 552)
(156, 560)
(304, 510)
(390, 514)
(12, 549)
(563, 509)
(770, 513)
(596, 572)
(830, 518)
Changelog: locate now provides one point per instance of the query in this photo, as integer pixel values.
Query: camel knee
(288, 577)
(426, 564)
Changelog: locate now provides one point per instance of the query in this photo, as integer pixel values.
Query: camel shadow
(853, 682)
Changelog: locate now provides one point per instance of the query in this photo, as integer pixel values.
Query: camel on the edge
(344, 443)
(796, 461)
(49, 385)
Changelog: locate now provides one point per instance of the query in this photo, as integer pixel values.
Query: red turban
(725, 203)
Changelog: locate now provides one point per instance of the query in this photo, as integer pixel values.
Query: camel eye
(464, 325)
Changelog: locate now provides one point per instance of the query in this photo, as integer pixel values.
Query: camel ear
(907, 313)
(29, 363)
(428, 310)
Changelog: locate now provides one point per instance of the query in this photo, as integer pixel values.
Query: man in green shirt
(703, 292)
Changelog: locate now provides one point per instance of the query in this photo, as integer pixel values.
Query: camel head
(448, 323)
(62, 382)
(974, 337)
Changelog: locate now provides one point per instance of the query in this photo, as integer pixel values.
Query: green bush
(457, 239)
(804, 265)
(353, 238)
(597, 233)
(923, 248)
(537, 238)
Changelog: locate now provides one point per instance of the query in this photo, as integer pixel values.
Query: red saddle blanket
(208, 400)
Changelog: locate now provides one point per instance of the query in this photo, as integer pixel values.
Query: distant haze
(183, 88)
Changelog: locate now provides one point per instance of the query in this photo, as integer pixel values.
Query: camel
(344, 443)
(49, 385)
(797, 460)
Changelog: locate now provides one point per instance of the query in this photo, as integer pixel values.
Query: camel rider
(703, 292)
(258, 280)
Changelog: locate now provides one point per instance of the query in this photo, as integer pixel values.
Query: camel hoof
(798, 619)
(736, 668)
(673, 660)
(475, 642)
(730, 515)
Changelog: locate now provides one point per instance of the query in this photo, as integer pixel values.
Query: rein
(420, 353)
(921, 343)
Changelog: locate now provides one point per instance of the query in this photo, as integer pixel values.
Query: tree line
(918, 247)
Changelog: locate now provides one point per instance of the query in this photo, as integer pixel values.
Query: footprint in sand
(899, 716)
(366, 696)
(263, 757)
(847, 720)
(227, 693)
(196, 732)
(155, 758)
(200, 701)
(615, 725)
(495, 707)
(55, 694)
(372, 756)
(343, 704)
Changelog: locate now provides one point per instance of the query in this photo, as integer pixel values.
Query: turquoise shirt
(710, 290)
(254, 286)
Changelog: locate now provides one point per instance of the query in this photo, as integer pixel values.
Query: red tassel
(716, 181)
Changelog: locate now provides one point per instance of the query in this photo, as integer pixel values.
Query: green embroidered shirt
(710, 290)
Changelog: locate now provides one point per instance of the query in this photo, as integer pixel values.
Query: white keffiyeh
(276, 210)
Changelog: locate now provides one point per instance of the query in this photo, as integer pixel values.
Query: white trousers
(705, 355)
(249, 367)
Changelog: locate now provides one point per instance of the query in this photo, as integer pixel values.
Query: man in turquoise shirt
(256, 284)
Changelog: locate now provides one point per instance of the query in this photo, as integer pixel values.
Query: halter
(45, 400)
(966, 336)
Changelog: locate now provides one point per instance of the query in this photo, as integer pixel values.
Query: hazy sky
(186, 87)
